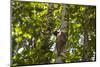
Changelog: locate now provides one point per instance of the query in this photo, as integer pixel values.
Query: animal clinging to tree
(60, 42)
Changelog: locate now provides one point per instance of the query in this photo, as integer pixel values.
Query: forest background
(33, 25)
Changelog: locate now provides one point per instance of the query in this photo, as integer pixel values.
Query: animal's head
(56, 32)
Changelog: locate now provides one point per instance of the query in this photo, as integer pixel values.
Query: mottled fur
(60, 41)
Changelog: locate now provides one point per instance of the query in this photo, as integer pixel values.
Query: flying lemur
(60, 42)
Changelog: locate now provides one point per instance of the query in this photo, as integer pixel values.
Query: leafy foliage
(32, 32)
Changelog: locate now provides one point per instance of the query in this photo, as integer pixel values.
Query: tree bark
(85, 47)
(64, 29)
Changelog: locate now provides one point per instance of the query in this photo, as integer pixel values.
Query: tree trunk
(64, 29)
(85, 47)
